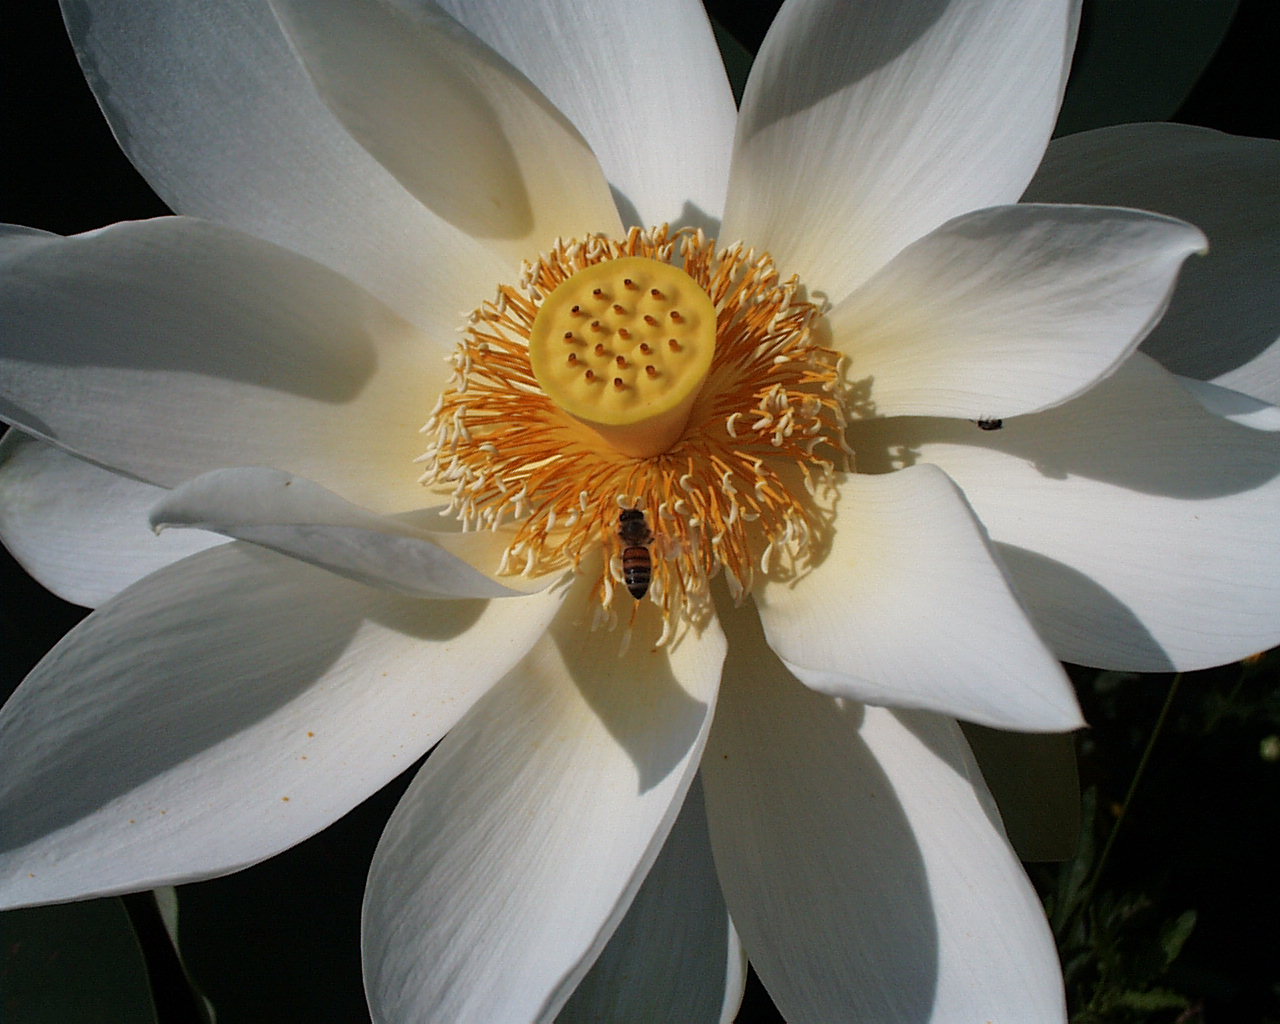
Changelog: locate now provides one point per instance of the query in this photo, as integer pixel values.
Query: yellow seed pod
(624, 347)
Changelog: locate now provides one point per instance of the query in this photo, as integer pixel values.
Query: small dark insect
(990, 424)
(637, 564)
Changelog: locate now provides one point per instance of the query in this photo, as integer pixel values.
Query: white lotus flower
(352, 178)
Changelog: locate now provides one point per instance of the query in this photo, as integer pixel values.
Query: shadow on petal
(675, 955)
(893, 27)
(1065, 603)
(1121, 432)
(142, 686)
(175, 294)
(821, 866)
(636, 694)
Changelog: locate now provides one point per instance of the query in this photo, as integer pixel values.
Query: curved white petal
(225, 708)
(166, 348)
(910, 608)
(81, 530)
(1036, 785)
(1233, 405)
(862, 861)
(452, 121)
(1224, 322)
(676, 955)
(1138, 527)
(515, 852)
(646, 88)
(211, 105)
(1009, 310)
(16, 237)
(295, 517)
(867, 123)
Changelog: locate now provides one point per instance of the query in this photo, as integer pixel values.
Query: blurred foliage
(75, 963)
(1162, 914)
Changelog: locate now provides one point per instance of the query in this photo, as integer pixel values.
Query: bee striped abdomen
(637, 570)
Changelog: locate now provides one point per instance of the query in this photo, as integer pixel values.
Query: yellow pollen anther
(643, 414)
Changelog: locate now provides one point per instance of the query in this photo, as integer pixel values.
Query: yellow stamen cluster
(745, 488)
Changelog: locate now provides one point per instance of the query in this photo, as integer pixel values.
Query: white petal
(1224, 323)
(1138, 527)
(225, 708)
(170, 347)
(80, 530)
(1036, 785)
(645, 87)
(295, 517)
(453, 122)
(1233, 405)
(909, 608)
(15, 238)
(1010, 310)
(211, 105)
(862, 861)
(676, 955)
(867, 124)
(514, 854)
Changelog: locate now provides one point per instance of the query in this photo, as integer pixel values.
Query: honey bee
(990, 424)
(637, 564)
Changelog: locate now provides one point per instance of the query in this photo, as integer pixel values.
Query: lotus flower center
(624, 347)
(651, 412)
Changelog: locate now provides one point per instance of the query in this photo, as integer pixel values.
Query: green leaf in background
(1175, 935)
(75, 963)
(1138, 59)
(1152, 1000)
